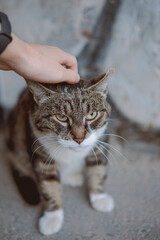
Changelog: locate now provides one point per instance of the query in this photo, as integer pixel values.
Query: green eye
(62, 118)
(92, 115)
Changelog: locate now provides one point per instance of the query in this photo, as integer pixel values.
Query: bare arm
(40, 63)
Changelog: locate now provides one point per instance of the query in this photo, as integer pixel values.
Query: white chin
(78, 148)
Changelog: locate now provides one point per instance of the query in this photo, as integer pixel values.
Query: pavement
(133, 181)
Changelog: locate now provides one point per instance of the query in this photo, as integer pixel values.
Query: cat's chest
(69, 160)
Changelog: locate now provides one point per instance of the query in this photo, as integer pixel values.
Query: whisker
(115, 160)
(42, 145)
(95, 155)
(45, 163)
(36, 151)
(102, 152)
(115, 135)
(49, 159)
(57, 150)
(113, 148)
(43, 137)
(112, 119)
(105, 148)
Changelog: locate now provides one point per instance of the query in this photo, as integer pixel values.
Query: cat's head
(75, 115)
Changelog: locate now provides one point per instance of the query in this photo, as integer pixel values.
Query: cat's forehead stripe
(68, 107)
(73, 104)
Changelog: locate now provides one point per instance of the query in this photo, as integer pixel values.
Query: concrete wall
(135, 51)
(121, 33)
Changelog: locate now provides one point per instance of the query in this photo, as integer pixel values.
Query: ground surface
(135, 186)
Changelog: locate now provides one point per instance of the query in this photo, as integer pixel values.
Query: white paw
(74, 180)
(51, 222)
(102, 202)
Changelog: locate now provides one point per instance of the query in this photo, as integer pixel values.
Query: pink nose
(78, 140)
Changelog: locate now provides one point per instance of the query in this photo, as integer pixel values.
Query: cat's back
(16, 125)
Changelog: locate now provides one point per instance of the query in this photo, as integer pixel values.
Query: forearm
(13, 54)
(38, 62)
(7, 56)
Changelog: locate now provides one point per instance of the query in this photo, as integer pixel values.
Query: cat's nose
(78, 134)
(79, 140)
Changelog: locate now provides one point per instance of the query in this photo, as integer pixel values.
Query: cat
(53, 134)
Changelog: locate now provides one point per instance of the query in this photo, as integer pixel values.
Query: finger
(69, 61)
(69, 76)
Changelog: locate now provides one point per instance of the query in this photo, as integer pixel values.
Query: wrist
(15, 53)
(5, 32)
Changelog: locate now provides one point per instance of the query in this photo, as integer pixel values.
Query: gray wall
(101, 34)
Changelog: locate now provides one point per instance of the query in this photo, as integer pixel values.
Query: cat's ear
(39, 91)
(100, 84)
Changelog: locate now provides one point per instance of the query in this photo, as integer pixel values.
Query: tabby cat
(53, 134)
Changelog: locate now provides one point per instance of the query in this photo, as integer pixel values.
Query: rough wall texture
(135, 51)
(121, 33)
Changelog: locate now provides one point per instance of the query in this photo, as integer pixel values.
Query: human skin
(38, 62)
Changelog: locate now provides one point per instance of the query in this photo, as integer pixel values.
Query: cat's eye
(62, 118)
(91, 115)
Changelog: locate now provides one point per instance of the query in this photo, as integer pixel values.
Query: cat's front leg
(96, 175)
(50, 190)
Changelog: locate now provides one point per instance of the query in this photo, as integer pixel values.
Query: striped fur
(55, 152)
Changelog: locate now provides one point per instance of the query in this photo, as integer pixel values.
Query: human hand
(40, 63)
